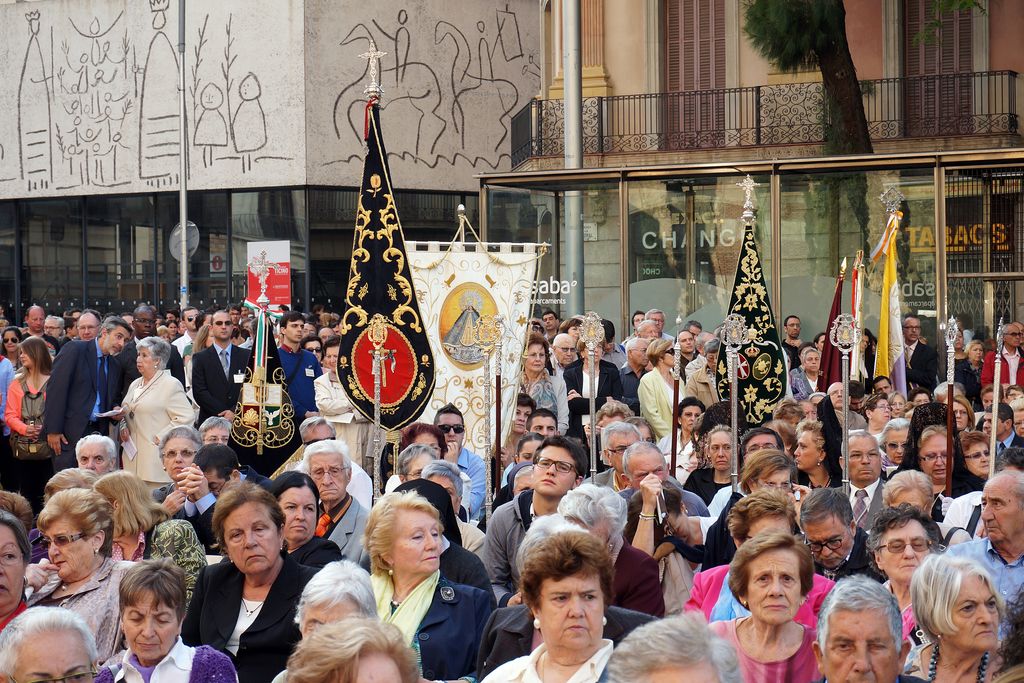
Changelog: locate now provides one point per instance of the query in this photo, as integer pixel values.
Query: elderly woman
(655, 388)
(353, 650)
(246, 607)
(761, 512)
(771, 576)
(48, 644)
(155, 404)
(143, 528)
(566, 583)
(77, 527)
(701, 382)
(602, 512)
(976, 452)
(152, 601)
(410, 463)
(915, 488)
(299, 499)
(15, 554)
(900, 539)
(442, 621)
(816, 468)
(678, 649)
(877, 412)
(542, 385)
(892, 442)
(806, 380)
(958, 608)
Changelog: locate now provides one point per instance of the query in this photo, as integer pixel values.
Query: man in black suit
(922, 361)
(218, 371)
(84, 384)
(144, 325)
(1006, 437)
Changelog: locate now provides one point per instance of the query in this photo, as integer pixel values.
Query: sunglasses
(60, 541)
(458, 429)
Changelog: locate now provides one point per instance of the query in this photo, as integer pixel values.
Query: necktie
(224, 361)
(860, 508)
(1000, 447)
(323, 524)
(101, 382)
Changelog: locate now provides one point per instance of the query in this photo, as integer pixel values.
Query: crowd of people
(135, 546)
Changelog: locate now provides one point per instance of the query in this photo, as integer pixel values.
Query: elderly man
(341, 518)
(54, 327)
(316, 429)
(680, 648)
(1002, 553)
(1006, 436)
(634, 368)
(865, 479)
(644, 464)
(47, 644)
(648, 329)
(860, 635)
(965, 511)
(835, 395)
(1012, 371)
(615, 439)
(448, 476)
(657, 316)
(838, 546)
(563, 350)
(88, 325)
(97, 453)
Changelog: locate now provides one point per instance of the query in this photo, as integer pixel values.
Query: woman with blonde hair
(817, 469)
(352, 650)
(655, 389)
(143, 529)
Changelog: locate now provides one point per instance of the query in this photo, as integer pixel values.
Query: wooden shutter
(937, 85)
(695, 72)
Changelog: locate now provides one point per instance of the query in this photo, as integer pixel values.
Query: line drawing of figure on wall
(34, 113)
(211, 128)
(249, 121)
(159, 119)
(508, 34)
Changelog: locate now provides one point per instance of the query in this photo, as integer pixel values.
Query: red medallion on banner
(398, 375)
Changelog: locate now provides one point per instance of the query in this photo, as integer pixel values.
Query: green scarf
(410, 613)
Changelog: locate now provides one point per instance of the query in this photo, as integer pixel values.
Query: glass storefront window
(684, 240)
(828, 216)
(121, 250)
(269, 215)
(208, 271)
(602, 257)
(51, 244)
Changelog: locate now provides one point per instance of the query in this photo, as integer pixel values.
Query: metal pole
(951, 330)
(735, 419)
(488, 455)
(996, 381)
(572, 99)
(678, 351)
(378, 436)
(183, 158)
(846, 422)
(592, 334)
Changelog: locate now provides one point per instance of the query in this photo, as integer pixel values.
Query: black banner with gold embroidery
(381, 306)
(761, 366)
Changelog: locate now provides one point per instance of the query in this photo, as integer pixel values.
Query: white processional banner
(456, 284)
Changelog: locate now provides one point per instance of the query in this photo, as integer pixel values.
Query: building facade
(678, 105)
(90, 131)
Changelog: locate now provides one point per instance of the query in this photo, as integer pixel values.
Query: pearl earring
(391, 572)
(604, 621)
(536, 624)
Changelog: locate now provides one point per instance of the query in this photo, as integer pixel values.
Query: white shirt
(245, 620)
(181, 342)
(961, 509)
(524, 669)
(176, 667)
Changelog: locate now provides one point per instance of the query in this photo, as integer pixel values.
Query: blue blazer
(449, 635)
(71, 390)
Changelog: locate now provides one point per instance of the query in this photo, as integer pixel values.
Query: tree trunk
(839, 78)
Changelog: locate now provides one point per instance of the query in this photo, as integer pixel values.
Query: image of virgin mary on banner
(381, 309)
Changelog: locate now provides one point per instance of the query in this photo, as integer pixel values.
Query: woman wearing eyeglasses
(900, 539)
(877, 412)
(541, 384)
(77, 527)
(976, 452)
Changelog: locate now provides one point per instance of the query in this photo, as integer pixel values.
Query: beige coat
(150, 412)
(701, 385)
(349, 424)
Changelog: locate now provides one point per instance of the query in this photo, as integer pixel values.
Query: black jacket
(265, 646)
(449, 635)
(508, 634)
(857, 564)
(317, 552)
(924, 367)
(609, 386)
(214, 392)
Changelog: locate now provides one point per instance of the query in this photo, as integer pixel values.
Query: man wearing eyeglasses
(144, 325)
(865, 479)
(48, 645)
(341, 518)
(219, 371)
(1012, 371)
(564, 351)
(559, 465)
(837, 544)
(616, 438)
(922, 361)
(449, 420)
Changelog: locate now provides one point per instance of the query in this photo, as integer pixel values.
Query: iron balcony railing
(952, 105)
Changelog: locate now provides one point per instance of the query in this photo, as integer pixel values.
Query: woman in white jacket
(334, 406)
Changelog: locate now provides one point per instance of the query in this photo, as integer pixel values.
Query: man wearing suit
(577, 385)
(865, 479)
(144, 325)
(922, 361)
(342, 519)
(1006, 437)
(218, 371)
(615, 439)
(84, 383)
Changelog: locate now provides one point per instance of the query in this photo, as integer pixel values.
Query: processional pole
(844, 335)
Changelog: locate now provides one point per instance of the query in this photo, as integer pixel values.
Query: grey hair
(620, 428)
(311, 423)
(410, 453)
(542, 528)
(329, 446)
(338, 582)
(860, 594)
(943, 389)
(860, 434)
(32, 624)
(523, 471)
(448, 470)
(652, 312)
(56, 320)
(678, 642)
(182, 432)
(108, 445)
(158, 349)
(635, 341)
(593, 506)
(893, 424)
(712, 345)
(820, 504)
(213, 422)
(935, 586)
(809, 349)
(647, 322)
(702, 339)
(637, 448)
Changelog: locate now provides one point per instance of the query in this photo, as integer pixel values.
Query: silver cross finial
(748, 186)
(892, 198)
(373, 56)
